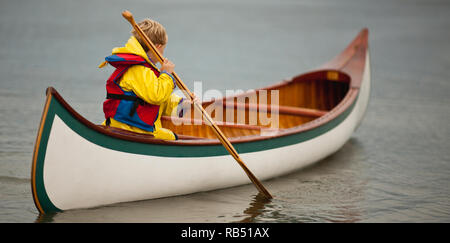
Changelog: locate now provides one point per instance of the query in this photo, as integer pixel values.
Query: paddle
(128, 16)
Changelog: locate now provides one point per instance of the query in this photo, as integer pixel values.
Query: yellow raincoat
(147, 86)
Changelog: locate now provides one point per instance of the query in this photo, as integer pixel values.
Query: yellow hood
(132, 47)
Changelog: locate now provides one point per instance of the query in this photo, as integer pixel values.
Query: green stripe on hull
(44, 201)
(100, 139)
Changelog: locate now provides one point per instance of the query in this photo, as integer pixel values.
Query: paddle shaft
(226, 143)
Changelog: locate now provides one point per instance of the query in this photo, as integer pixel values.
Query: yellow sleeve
(144, 83)
(171, 105)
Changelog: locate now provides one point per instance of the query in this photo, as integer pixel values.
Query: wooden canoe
(78, 164)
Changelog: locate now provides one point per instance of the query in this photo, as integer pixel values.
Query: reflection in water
(256, 208)
(330, 191)
(45, 218)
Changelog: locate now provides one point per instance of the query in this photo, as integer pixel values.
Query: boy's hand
(167, 66)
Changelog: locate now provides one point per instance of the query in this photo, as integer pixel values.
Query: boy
(138, 94)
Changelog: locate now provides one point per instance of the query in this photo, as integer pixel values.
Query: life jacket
(125, 106)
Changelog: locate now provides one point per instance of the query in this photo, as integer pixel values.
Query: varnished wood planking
(316, 94)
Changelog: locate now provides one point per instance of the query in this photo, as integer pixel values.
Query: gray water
(395, 167)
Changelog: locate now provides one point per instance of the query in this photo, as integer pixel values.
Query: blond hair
(154, 31)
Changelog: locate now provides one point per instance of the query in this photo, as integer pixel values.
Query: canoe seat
(141, 135)
(125, 132)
